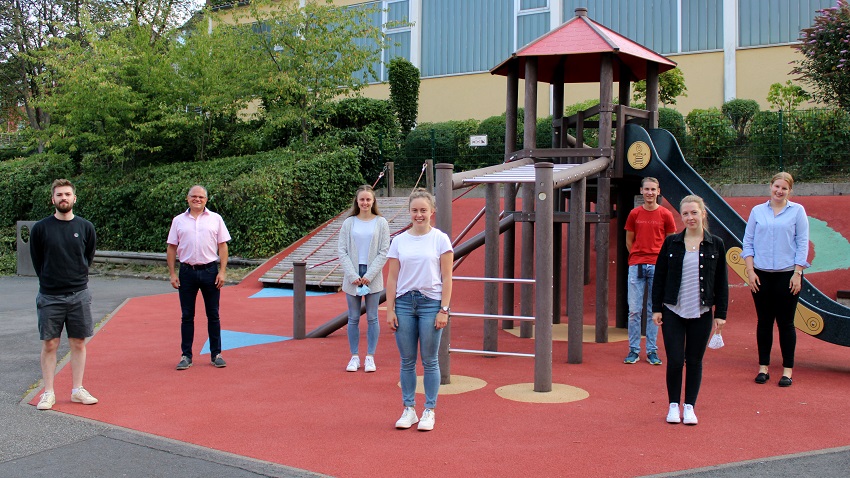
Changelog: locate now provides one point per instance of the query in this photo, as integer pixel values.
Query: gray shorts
(72, 311)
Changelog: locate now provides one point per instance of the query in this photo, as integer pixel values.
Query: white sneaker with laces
(48, 399)
(688, 415)
(83, 396)
(427, 421)
(370, 364)
(353, 364)
(408, 418)
(673, 414)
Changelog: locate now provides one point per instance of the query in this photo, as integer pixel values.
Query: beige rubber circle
(524, 392)
(460, 384)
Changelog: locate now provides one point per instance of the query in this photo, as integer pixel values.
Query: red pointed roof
(580, 43)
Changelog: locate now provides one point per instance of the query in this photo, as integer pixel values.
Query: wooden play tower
(579, 51)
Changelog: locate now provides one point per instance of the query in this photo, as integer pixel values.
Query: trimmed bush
(25, 185)
(740, 112)
(710, 134)
(674, 122)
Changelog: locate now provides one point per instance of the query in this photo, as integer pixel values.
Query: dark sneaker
(652, 357)
(185, 362)
(633, 357)
(218, 361)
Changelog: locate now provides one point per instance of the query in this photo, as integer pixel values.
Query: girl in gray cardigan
(364, 240)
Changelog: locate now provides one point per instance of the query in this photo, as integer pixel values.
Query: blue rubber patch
(234, 340)
(269, 292)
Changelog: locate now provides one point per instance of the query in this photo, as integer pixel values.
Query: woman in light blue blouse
(776, 245)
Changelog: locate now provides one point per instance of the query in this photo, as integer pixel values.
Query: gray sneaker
(185, 362)
(218, 361)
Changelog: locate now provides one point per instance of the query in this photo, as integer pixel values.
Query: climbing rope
(424, 166)
(381, 175)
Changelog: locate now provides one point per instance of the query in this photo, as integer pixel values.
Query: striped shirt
(688, 303)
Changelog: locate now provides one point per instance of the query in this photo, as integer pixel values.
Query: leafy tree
(304, 57)
(786, 97)
(825, 49)
(404, 91)
(671, 85)
(740, 112)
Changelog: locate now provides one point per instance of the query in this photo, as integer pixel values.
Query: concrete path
(49, 444)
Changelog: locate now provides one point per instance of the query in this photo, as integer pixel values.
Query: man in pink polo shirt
(198, 239)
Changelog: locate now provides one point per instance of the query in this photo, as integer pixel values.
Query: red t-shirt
(650, 228)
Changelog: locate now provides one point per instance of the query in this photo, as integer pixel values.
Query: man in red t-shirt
(646, 228)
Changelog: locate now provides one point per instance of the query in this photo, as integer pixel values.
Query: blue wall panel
(770, 22)
(702, 25)
(465, 36)
(530, 27)
(652, 23)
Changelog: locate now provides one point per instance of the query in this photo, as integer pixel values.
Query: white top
(361, 232)
(688, 303)
(419, 262)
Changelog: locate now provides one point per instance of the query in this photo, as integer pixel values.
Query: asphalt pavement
(37, 443)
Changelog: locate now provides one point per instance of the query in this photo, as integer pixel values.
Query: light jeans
(416, 316)
(636, 288)
(373, 328)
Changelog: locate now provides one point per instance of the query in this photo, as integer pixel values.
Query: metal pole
(444, 223)
(491, 266)
(544, 217)
(299, 302)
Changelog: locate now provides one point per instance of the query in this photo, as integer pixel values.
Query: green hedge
(267, 200)
(25, 185)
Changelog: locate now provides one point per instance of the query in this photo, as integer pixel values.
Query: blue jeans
(373, 328)
(191, 281)
(417, 315)
(637, 280)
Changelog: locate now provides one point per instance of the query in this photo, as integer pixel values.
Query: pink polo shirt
(197, 240)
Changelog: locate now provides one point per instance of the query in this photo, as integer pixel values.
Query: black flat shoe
(785, 381)
(764, 377)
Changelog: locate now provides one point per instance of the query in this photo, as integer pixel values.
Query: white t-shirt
(419, 262)
(362, 232)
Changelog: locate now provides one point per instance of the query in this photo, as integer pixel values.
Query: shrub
(710, 136)
(25, 185)
(404, 91)
(674, 122)
(740, 112)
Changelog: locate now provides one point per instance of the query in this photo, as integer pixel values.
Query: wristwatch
(799, 272)
(445, 309)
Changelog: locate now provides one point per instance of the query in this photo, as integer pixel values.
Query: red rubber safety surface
(293, 403)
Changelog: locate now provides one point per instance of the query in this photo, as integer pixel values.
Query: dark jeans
(685, 341)
(191, 281)
(775, 303)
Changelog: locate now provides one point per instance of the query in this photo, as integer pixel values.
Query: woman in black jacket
(690, 279)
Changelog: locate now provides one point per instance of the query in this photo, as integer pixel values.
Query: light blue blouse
(777, 243)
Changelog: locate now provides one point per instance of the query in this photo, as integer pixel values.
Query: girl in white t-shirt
(419, 290)
(363, 243)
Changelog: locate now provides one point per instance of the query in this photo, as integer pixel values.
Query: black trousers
(685, 341)
(775, 303)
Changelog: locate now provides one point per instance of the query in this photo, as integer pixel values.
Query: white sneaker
(673, 414)
(408, 418)
(83, 396)
(48, 399)
(353, 364)
(370, 364)
(427, 421)
(688, 416)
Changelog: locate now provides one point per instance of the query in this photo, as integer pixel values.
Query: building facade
(725, 48)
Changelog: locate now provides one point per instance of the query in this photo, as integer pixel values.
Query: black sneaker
(185, 362)
(218, 361)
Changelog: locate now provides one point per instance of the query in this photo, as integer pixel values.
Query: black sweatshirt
(62, 252)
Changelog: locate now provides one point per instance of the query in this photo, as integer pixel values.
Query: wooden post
(559, 136)
(544, 205)
(299, 302)
(575, 299)
(444, 223)
(390, 179)
(510, 192)
(624, 206)
(429, 175)
(529, 142)
(652, 92)
(491, 266)
(603, 195)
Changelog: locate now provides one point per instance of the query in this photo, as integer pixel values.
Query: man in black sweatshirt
(62, 249)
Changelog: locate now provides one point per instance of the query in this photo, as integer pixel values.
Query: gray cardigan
(349, 260)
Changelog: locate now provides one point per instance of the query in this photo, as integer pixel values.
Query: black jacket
(713, 279)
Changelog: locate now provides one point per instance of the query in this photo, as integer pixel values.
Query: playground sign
(476, 141)
(638, 155)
